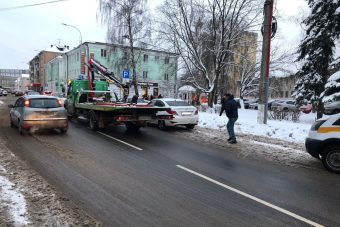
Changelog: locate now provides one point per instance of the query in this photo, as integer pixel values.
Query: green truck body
(96, 107)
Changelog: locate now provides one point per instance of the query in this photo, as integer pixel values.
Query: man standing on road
(229, 105)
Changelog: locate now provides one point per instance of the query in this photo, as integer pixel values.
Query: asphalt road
(156, 178)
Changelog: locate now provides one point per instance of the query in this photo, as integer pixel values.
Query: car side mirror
(11, 106)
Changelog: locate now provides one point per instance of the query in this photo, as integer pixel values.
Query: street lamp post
(80, 35)
(80, 55)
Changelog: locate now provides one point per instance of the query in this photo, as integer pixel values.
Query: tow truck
(91, 100)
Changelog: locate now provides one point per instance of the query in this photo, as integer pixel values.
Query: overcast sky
(26, 31)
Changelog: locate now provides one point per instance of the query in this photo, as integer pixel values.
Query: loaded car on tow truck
(91, 99)
(323, 142)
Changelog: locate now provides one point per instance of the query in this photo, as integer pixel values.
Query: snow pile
(247, 124)
(1, 102)
(14, 200)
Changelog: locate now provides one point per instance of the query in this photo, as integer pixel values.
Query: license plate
(186, 113)
(144, 118)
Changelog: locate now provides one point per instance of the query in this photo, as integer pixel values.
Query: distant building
(244, 56)
(282, 87)
(156, 70)
(9, 76)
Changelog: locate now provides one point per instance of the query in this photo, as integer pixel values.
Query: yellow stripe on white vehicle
(329, 129)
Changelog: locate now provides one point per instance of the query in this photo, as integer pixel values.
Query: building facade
(37, 66)
(55, 79)
(8, 77)
(156, 71)
(282, 87)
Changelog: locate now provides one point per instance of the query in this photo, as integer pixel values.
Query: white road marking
(251, 197)
(121, 141)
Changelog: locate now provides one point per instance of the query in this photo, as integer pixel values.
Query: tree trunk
(133, 63)
(320, 109)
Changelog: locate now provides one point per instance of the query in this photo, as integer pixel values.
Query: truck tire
(132, 127)
(331, 158)
(93, 120)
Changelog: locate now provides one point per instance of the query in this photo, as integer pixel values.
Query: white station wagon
(183, 113)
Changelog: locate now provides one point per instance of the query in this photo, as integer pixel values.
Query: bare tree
(281, 64)
(204, 33)
(126, 19)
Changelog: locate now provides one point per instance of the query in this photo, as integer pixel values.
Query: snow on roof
(187, 88)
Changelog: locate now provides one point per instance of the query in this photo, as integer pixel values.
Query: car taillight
(60, 103)
(196, 112)
(27, 103)
(173, 112)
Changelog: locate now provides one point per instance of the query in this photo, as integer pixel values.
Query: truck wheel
(63, 130)
(331, 158)
(93, 122)
(132, 127)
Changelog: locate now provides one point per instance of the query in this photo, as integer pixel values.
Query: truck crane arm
(93, 66)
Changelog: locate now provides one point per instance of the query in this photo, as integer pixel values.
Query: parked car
(18, 93)
(323, 142)
(306, 108)
(183, 113)
(38, 112)
(332, 108)
(31, 92)
(284, 105)
(248, 102)
(4, 92)
(253, 105)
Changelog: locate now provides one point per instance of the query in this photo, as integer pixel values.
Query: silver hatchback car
(32, 112)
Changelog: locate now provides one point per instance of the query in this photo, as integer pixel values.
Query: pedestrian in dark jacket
(229, 105)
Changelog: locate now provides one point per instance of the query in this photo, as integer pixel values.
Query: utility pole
(264, 78)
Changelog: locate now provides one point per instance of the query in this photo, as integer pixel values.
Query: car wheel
(190, 127)
(161, 125)
(11, 122)
(331, 158)
(63, 130)
(20, 129)
(93, 123)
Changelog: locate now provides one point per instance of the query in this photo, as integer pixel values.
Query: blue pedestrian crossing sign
(126, 74)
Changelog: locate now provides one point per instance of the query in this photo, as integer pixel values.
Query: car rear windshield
(44, 103)
(177, 103)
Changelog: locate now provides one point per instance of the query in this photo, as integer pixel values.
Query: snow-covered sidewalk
(247, 124)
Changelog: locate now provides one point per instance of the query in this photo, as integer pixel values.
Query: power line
(25, 6)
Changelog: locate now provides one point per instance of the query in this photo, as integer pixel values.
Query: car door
(17, 111)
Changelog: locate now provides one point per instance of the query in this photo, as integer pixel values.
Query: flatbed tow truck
(91, 100)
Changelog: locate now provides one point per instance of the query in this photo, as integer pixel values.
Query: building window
(77, 56)
(157, 58)
(287, 94)
(166, 76)
(166, 60)
(146, 57)
(125, 55)
(145, 74)
(103, 53)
